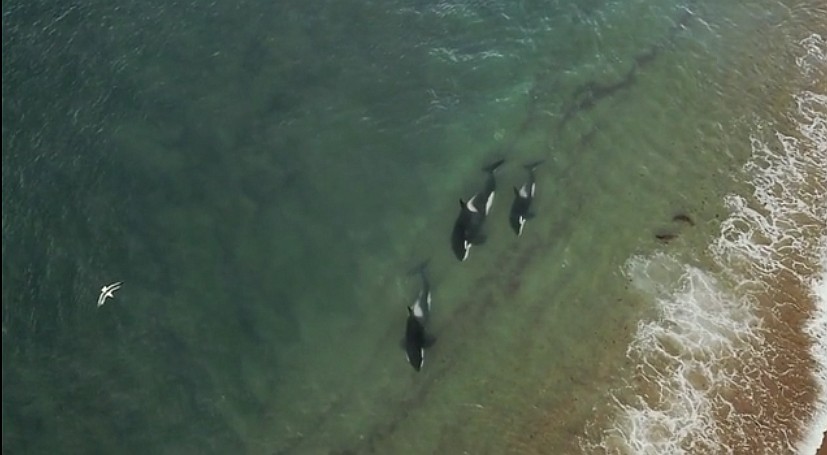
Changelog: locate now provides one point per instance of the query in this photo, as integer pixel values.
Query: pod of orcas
(468, 231)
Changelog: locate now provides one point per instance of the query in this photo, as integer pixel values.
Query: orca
(523, 197)
(416, 340)
(468, 229)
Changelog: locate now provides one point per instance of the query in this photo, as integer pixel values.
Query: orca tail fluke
(491, 168)
(421, 268)
(533, 165)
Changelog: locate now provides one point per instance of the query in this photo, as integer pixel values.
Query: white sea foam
(691, 360)
(817, 329)
(682, 357)
(813, 59)
(813, 108)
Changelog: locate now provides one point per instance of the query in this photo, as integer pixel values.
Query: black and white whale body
(468, 227)
(416, 340)
(523, 197)
(416, 336)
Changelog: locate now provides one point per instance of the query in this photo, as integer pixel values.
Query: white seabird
(108, 292)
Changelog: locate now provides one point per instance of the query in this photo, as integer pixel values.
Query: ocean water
(263, 176)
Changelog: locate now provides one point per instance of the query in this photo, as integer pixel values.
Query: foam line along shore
(735, 362)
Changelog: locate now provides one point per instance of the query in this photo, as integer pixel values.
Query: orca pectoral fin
(480, 239)
(429, 341)
(530, 215)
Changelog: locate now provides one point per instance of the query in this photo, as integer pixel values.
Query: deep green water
(262, 176)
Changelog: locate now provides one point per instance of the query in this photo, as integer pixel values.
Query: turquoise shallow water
(263, 176)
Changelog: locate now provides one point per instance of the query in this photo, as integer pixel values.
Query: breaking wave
(735, 361)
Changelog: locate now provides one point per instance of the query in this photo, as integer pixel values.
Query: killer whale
(468, 226)
(416, 340)
(523, 197)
